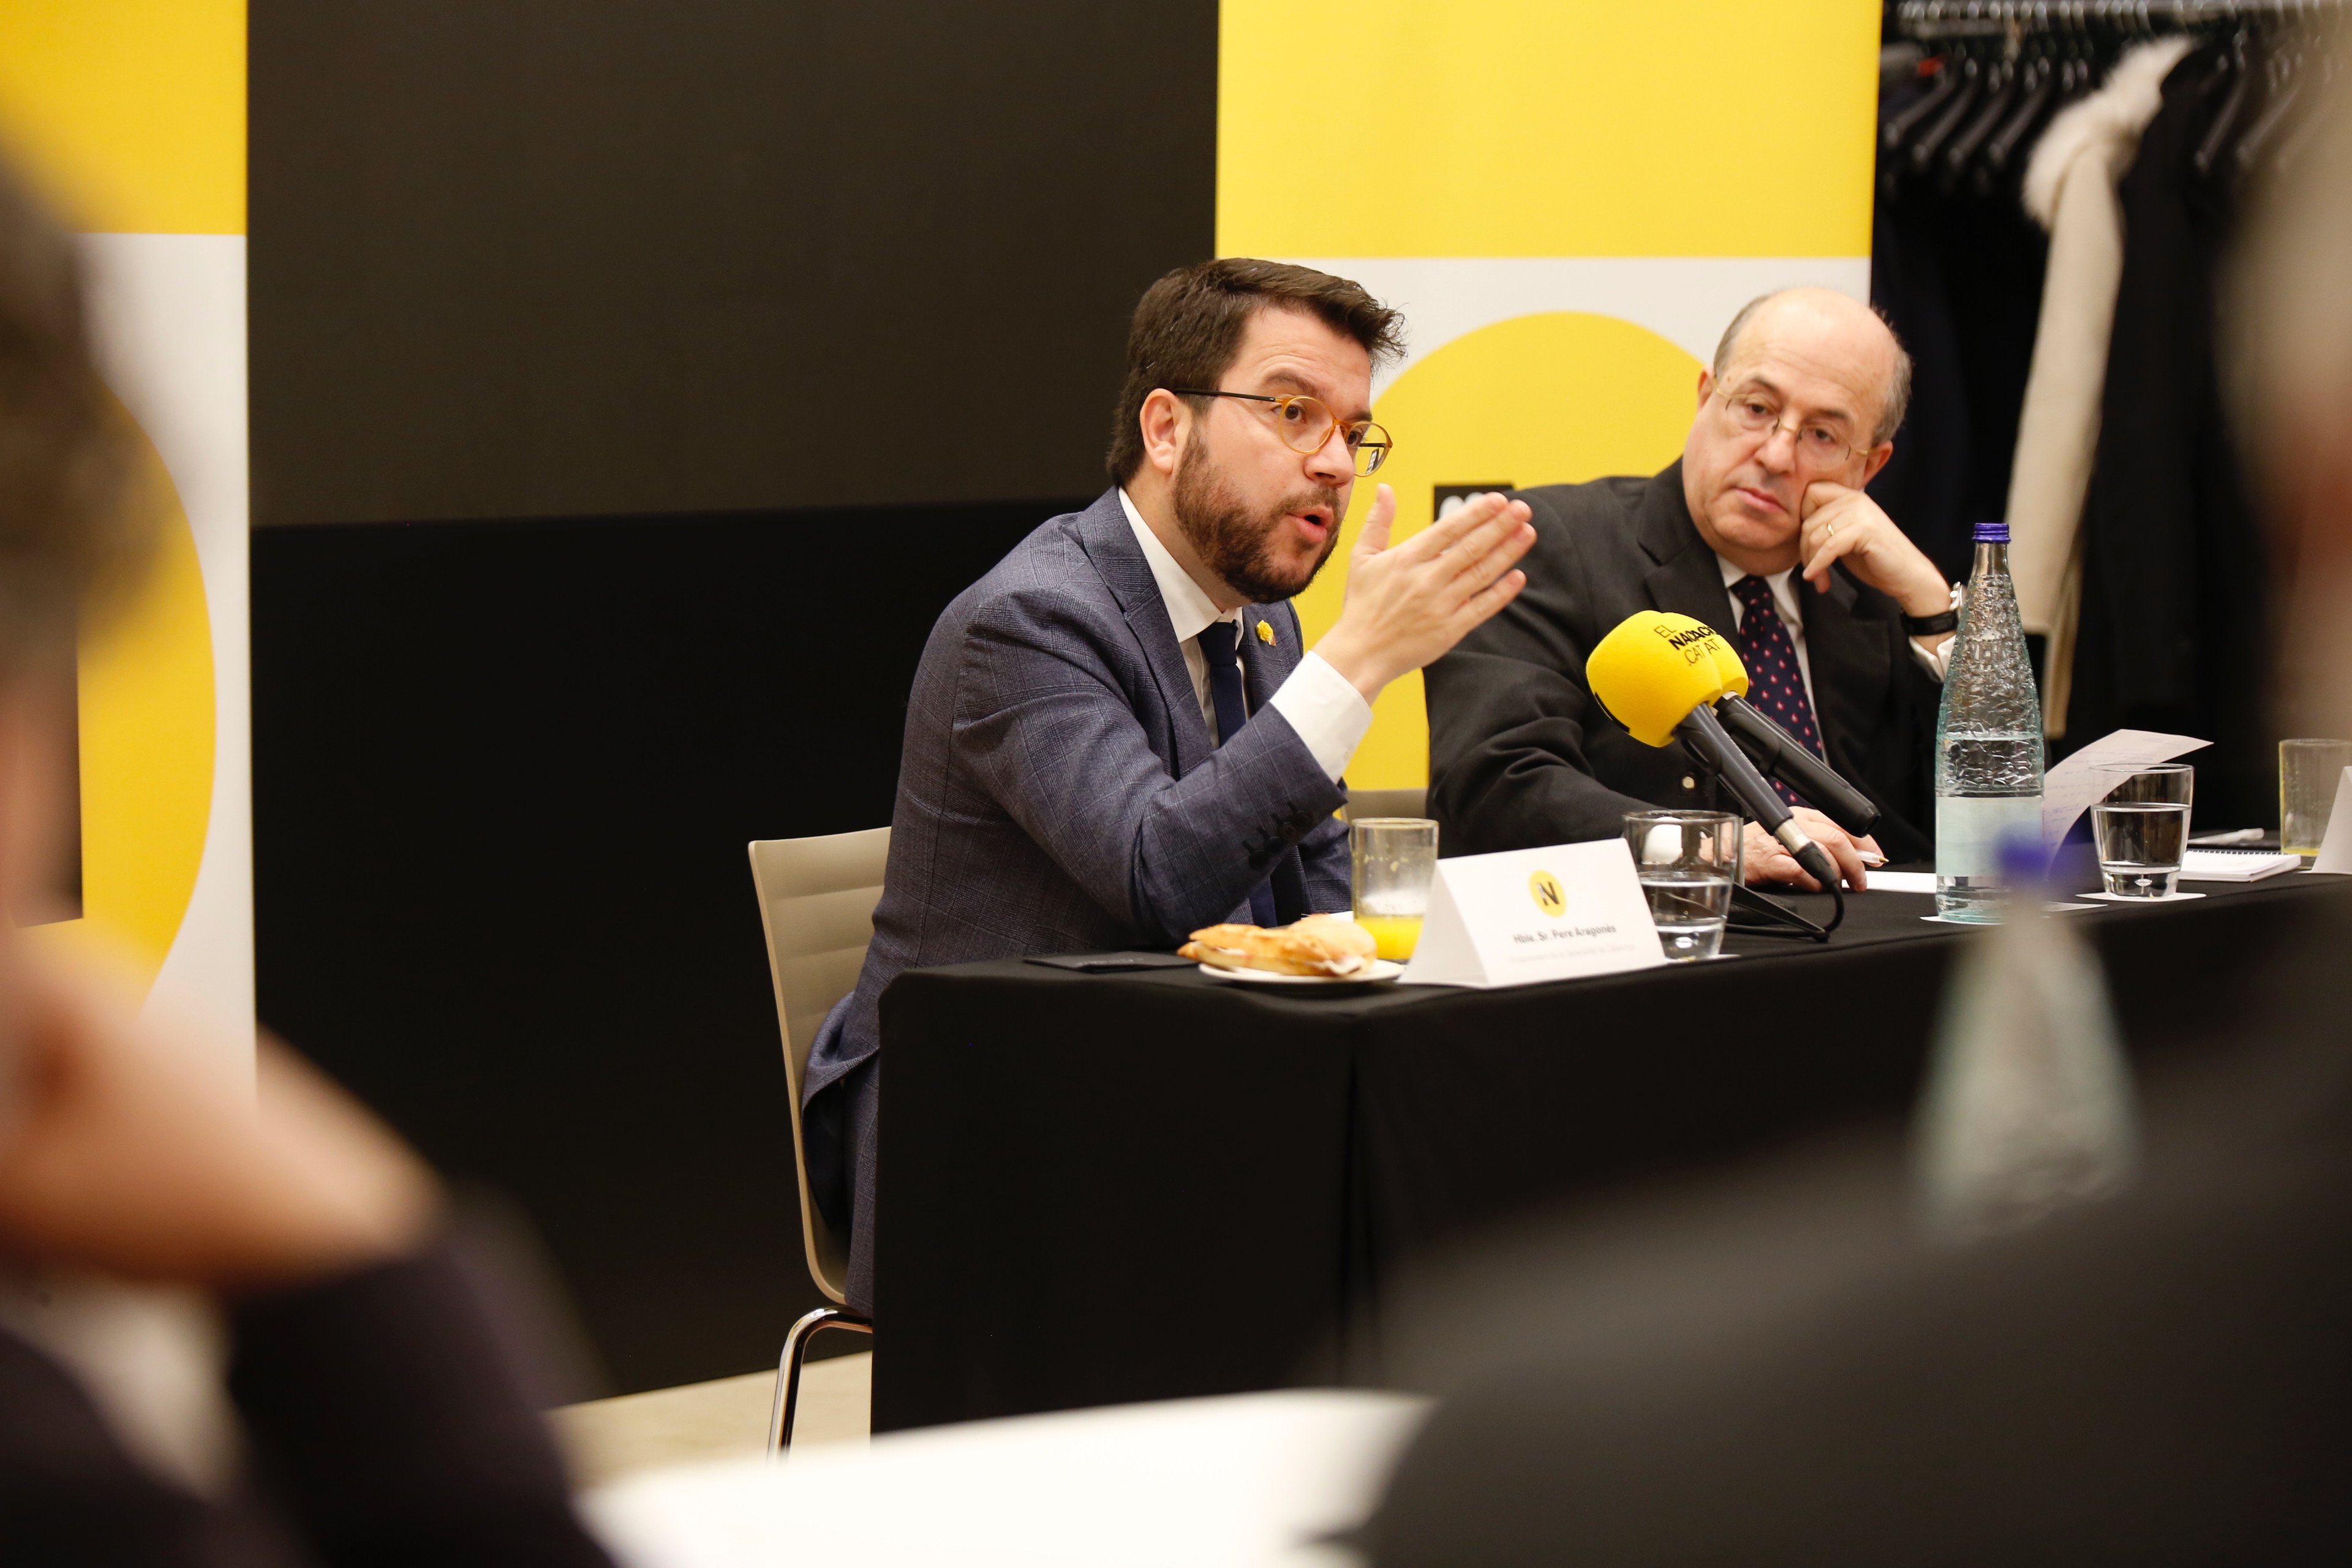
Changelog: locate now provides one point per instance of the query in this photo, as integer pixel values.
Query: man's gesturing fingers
(1482, 604)
(1442, 535)
(1492, 551)
(1375, 536)
(1410, 604)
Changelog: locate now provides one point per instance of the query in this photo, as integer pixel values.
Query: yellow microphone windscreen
(1657, 667)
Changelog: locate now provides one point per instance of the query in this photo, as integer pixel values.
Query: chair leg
(788, 1371)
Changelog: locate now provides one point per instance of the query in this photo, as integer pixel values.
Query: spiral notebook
(2234, 864)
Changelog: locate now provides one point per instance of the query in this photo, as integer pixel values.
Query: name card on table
(2334, 857)
(1526, 915)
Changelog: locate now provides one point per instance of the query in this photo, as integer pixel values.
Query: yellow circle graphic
(1534, 400)
(1544, 888)
(147, 748)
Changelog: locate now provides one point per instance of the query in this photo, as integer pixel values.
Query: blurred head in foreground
(146, 1194)
(124, 1150)
(2288, 322)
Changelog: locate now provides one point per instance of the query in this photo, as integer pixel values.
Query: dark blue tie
(1221, 645)
(1775, 683)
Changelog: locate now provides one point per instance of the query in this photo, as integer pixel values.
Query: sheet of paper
(1902, 882)
(2335, 846)
(2072, 787)
(1526, 915)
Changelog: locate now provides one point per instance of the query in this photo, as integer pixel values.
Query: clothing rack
(2145, 579)
(1931, 20)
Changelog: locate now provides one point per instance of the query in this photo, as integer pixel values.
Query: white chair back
(816, 904)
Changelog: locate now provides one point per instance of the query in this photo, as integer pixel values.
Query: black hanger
(2082, 71)
(2234, 104)
(1920, 156)
(2041, 95)
(1999, 96)
(2287, 87)
(1898, 131)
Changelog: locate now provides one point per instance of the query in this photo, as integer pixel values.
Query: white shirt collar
(1191, 611)
(1784, 591)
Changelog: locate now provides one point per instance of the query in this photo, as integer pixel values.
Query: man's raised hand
(1408, 604)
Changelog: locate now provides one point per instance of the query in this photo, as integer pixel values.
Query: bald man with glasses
(1761, 530)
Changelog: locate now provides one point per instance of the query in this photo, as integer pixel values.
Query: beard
(1236, 543)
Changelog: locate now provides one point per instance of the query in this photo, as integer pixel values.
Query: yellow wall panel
(1526, 128)
(1568, 198)
(147, 742)
(131, 111)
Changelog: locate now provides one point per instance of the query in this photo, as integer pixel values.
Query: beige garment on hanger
(2070, 190)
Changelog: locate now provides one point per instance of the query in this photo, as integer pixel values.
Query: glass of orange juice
(1392, 860)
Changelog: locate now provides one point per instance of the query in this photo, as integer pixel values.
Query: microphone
(1782, 756)
(1662, 676)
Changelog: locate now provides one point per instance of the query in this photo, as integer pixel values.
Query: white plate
(1381, 969)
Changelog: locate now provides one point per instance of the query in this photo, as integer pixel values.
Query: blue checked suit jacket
(1059, 792)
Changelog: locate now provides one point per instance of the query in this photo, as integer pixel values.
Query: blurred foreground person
(1782, 1372)
(374, 1422)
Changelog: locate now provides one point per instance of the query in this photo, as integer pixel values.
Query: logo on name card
(1544, 888)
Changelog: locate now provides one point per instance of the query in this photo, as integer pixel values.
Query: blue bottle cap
(2022, 863)
(1992, 533)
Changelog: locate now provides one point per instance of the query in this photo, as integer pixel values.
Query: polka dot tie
(1775, 685)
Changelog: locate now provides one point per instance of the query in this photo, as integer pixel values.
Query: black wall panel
(670, 365)
(504, 774)
(561, 258)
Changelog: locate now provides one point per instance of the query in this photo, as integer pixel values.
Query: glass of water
(1688, 862)
(2309, 772)
(1392, 860)
(2141, 824)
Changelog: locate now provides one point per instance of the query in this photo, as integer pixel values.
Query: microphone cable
(1784, 920)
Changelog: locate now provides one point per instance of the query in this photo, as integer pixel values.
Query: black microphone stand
(1768, 916)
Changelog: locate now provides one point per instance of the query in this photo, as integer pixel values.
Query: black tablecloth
(1098, 1188)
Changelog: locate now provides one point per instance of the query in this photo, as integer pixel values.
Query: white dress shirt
(1330, 714)
(1784, 600)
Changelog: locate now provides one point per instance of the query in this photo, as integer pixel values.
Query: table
(1096, 1189)
(1252, 1480)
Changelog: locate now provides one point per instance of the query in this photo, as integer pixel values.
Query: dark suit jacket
(1521, 755)
(385, 1428)
(1060, 792)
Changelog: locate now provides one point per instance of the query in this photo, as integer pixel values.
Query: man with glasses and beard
(1760, 529)
(1119, 735)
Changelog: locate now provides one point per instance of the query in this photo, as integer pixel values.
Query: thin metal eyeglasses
(1820, 445)
(1306, 423)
